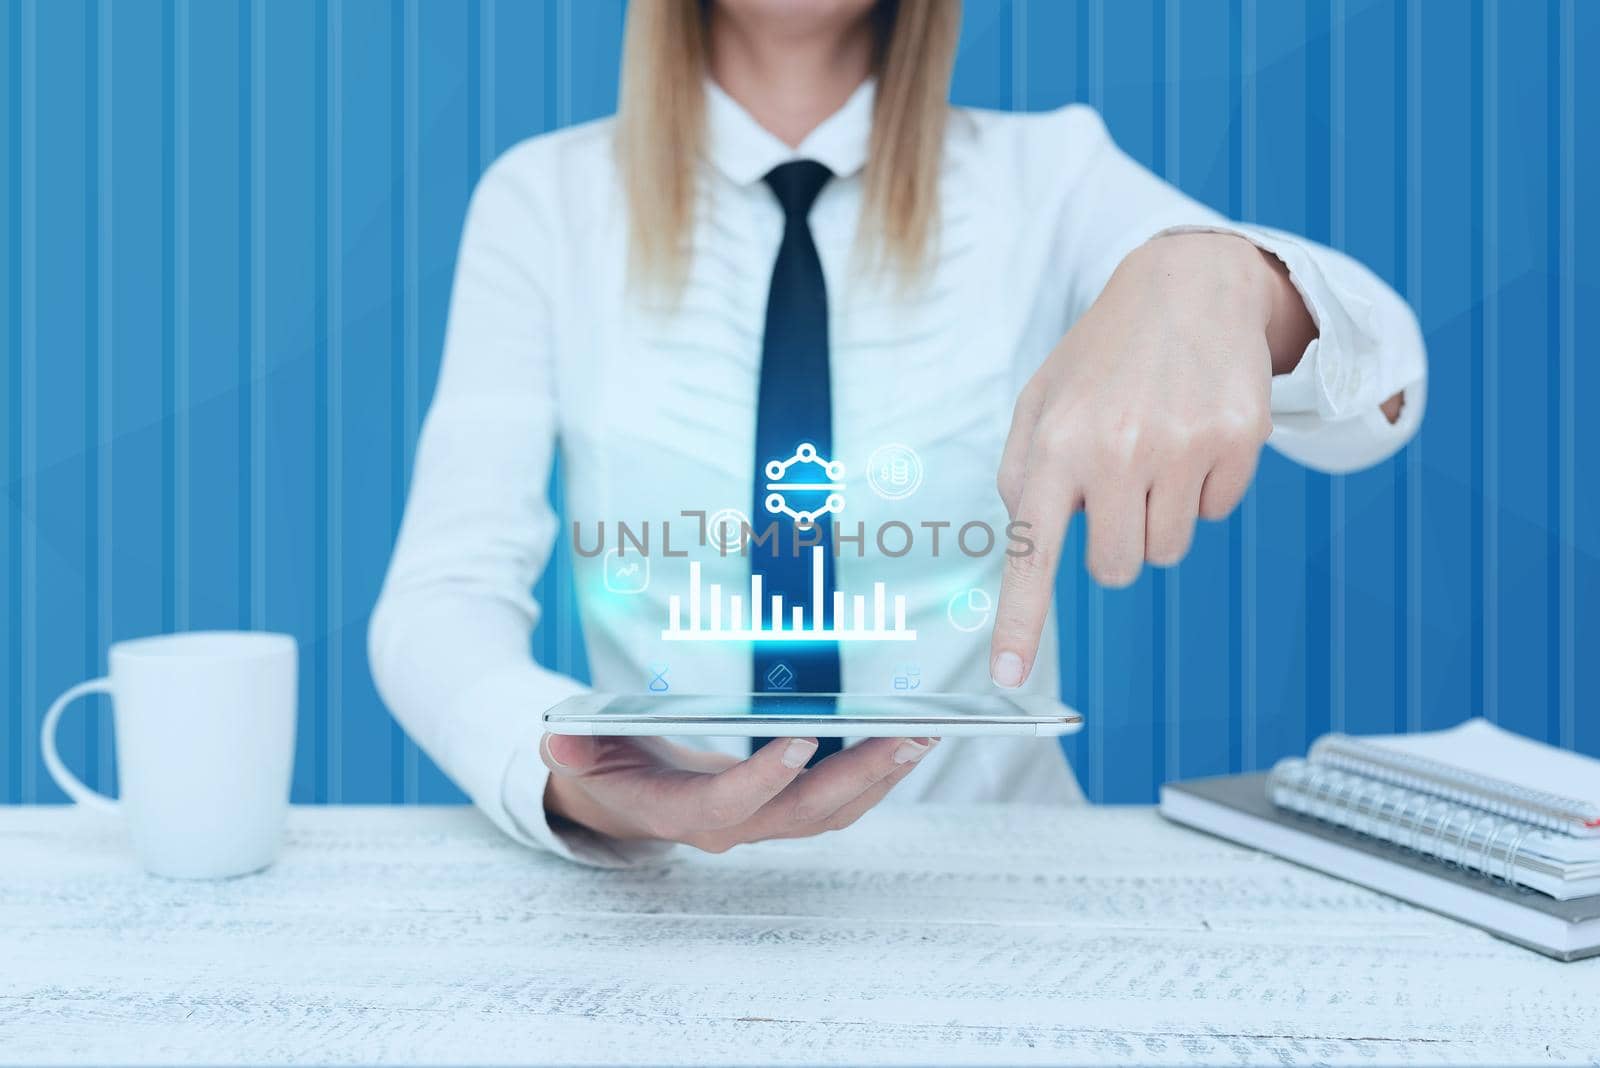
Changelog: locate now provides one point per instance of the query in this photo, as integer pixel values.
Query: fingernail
(910, 750)
(550, 754)
(797, 752)
(1006, 669)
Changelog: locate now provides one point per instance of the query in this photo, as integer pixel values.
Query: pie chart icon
(969, 609)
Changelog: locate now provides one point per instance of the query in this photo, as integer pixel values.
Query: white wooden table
(924, 934)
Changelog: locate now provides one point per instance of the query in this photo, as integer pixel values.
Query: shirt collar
(744, 151)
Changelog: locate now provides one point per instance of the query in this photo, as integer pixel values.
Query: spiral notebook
(1474, 796)
(1473, 822)
(1481, 765)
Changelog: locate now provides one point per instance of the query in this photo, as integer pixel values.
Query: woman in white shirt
(1010, 296)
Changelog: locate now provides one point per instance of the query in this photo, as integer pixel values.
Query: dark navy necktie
(794, 406)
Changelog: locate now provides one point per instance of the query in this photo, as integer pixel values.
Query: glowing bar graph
(887, 622)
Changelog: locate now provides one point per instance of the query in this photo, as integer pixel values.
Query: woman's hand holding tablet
(650, 788)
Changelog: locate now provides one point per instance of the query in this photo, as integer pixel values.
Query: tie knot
(796, 185)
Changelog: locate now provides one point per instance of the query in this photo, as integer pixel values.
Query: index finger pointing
(1014, 457)
(1028, 582)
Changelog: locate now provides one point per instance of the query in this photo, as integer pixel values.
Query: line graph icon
(773, 621)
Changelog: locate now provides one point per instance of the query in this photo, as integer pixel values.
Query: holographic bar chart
(756, 618)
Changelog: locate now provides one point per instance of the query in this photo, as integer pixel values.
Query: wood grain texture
(967, 935)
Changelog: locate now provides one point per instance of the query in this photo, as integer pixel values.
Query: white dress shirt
(654, 413)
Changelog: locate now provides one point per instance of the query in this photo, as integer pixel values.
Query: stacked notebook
(1473, 822)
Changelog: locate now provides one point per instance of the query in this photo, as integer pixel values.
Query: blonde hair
(661, 132)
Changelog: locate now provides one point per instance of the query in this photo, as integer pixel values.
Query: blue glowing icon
(969, 609)
(628, 574)
(756, 617)
(780, 677)
(781, 492)
(658, 678)
(894, 471)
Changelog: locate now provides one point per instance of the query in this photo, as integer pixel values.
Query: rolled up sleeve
(1326, 412)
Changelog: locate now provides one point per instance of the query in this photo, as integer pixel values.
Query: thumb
(568, 754)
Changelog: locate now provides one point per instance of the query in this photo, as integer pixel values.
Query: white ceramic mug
(205, 748)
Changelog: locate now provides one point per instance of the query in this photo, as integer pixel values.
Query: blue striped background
(229, 233)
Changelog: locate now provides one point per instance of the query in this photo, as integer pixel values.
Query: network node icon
(778, 470)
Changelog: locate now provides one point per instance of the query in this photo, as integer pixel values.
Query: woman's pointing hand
(1149, 415)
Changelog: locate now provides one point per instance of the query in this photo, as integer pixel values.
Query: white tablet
(812, 715)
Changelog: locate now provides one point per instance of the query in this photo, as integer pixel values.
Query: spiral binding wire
(1384, 810)
(1523, 804)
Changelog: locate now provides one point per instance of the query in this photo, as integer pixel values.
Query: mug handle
(70, 783)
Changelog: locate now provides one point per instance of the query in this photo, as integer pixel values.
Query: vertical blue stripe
(411, 76)
(1581, 373)
(1097, 597)
(1235, 210)
(319, 404)
(1519, 362)
(246, 309)
(330, 547)
(563, 64)
(1554, 416)
(1366, 102)
(360, 384)
(1318, 502)
(398, 98)
(1402, 470)
(1475, 195)
(1280, 553)
(93, 451)
(169, 370)
(99, 377)
(1338, 236)
(549, 61)
(260, 319)
(1411, 18)
(1007, 74)
(473, 131)
(1248, 563)
(180, 566)
(1567, 381)
(1448, 167)
(1489, 373)
(27, 420)
(489, 85)
(11, 789)
(1019, 55)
